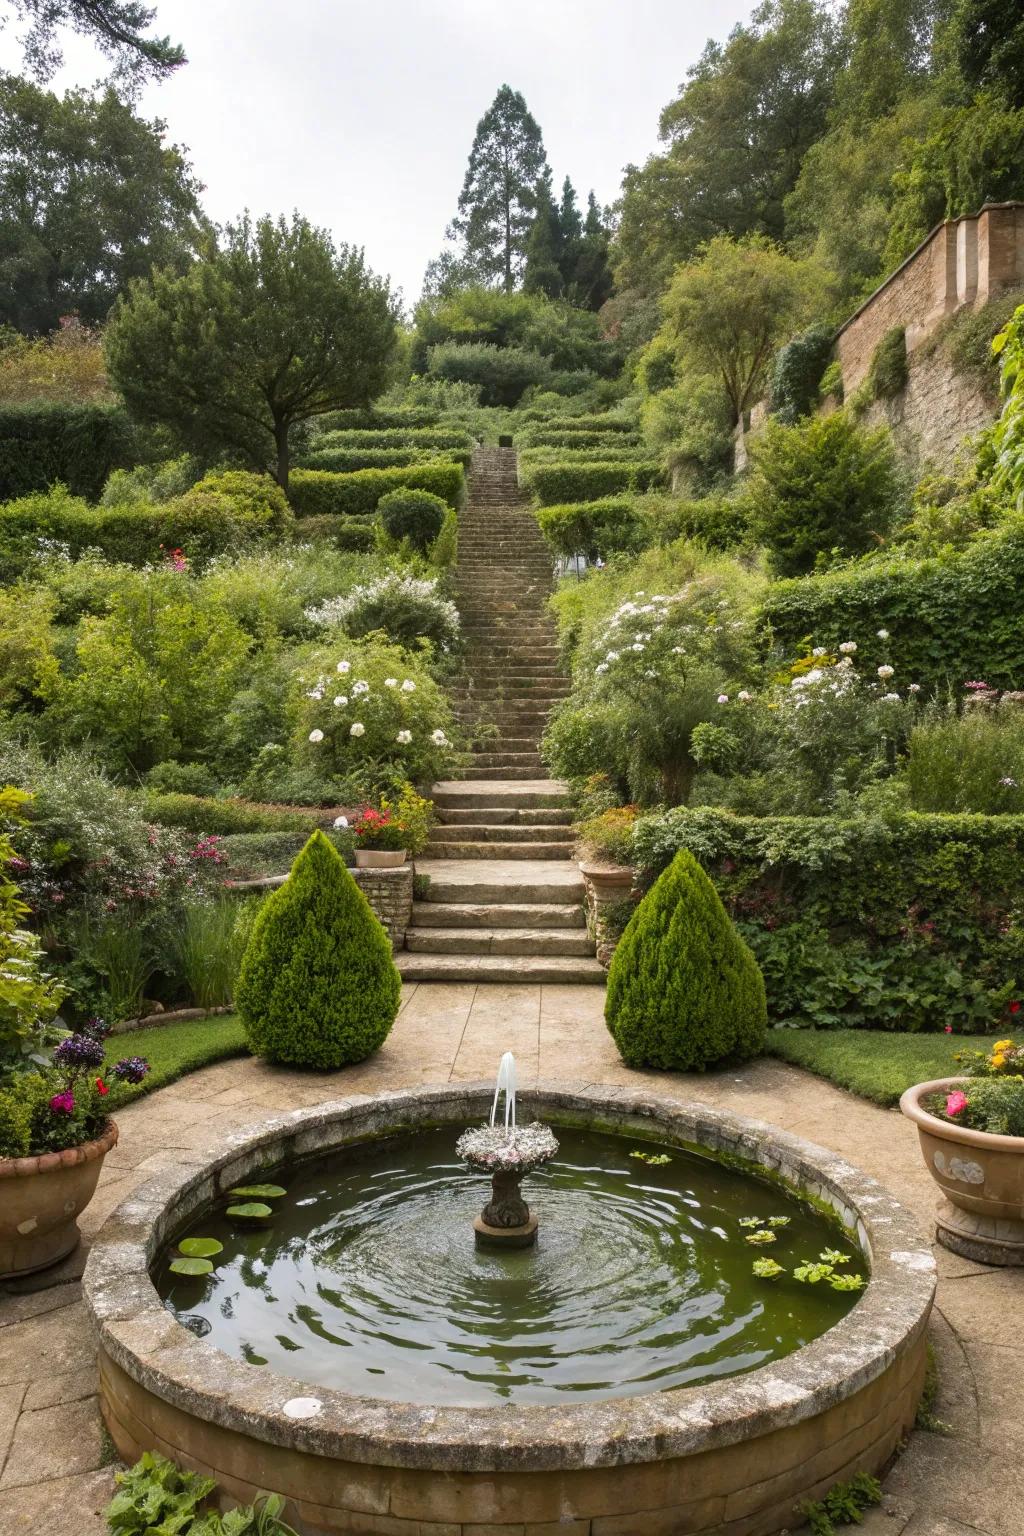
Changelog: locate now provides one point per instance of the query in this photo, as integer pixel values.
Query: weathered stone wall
(963, 264)
(389, 892)
(937, 410)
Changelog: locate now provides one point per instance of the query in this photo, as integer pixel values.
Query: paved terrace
(55, 1465)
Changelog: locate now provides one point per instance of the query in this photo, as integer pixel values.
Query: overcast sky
(361, 115)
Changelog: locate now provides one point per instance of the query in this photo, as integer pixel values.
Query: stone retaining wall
(389, 892)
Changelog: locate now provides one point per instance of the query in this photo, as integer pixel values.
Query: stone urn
(41, 1199)
(981, 1177)
(611, 882)
(380, 858)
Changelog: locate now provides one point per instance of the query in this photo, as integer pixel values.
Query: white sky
(362, 115)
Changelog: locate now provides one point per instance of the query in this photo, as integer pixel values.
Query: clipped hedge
(907, 923)
(256, 855)
(345, 461)
(561, 422)
(206, 816)
(378, 418)
(556, 484)
(77, 445)
(950, 618)
(561, 437)
(435, 438)
(317, 492)
(592, 528)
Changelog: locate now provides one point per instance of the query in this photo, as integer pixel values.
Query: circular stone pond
(357, 1352)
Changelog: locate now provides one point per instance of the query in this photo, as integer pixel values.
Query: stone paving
(56, 1474)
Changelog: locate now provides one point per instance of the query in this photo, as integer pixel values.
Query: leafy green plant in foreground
(156, 1496)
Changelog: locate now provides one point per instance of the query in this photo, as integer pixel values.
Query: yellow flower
(998, 1059)
(1003, 1045)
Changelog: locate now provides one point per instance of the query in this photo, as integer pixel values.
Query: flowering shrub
(1004, 1059)
(64, 1103)
(371, 706)
(28, 998)
(408, 609)
(378, 829)
(608, 837)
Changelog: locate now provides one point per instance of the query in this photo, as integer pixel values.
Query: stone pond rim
(736, 1454)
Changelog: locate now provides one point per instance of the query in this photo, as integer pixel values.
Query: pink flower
(63, 1103)
(948, 1029)
(956, 1103)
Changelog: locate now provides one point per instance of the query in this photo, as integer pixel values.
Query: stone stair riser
(505, 969)
(498, 941)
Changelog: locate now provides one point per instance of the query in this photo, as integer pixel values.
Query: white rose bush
(392, 720)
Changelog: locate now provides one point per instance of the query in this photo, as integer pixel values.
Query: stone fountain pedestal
(508, 1154)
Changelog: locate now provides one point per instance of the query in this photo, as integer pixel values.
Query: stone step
(465, 849)
(519, 882)
(503, 815)
(536, 794)
(504, 773)
(498, 941)
(468, 916)
(509, 969)
(501, 832)
(499, 758)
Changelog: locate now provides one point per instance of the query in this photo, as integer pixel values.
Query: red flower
(1015, 1007)
(101, 1086)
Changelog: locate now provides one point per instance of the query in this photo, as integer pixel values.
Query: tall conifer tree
(506, 180)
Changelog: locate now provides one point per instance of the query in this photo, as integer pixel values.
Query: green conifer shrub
(684, 991)
(317, 986)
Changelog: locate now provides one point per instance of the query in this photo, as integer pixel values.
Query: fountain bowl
(736, 1454)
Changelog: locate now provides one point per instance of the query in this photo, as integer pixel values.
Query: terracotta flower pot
(380, 858)
(41, 1199)
(981, 1177)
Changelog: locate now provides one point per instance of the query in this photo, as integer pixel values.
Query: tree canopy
(90, 196)
(505, 181)
(273, 327)
(119, 28)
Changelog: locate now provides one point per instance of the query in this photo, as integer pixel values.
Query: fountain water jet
(508, 1153)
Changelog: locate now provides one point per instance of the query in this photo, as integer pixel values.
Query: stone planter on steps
(380, 858)
(41, 1199)
(607, 885)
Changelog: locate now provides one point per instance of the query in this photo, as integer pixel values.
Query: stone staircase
(504, 899)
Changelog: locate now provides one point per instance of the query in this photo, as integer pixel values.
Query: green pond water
(367, 1277)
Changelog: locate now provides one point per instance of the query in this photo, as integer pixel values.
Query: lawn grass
(868, 1062)
(172, 1050)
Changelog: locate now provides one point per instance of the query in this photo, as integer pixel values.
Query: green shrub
(414, 515)
(888, 373)
(446, 546)
(556, 484)
(972, 762)
(591, 528)
(586, 423)
(796, 373)
(832, 382)
(435, 439)
(315, 491)
(207, 951)
(407, 609)
(151, 482)
(255, 855)
(77, 445)
(502, 374)
(567, 437)
(352, 535)
(257, 502)
(318, 986)
(204, 816)
(717, 522)
(907, 922)
(820, 486)
(346, 460)
(951, 618)
(684, 991)
(174, 778)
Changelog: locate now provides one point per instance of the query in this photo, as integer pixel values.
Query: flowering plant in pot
(971, 1130)
(55, 1130)
(380, 838)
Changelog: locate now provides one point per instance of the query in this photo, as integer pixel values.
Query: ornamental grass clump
(318, 986)
(684, 991)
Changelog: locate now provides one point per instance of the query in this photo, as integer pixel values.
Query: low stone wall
(389, 892)
(938, 409)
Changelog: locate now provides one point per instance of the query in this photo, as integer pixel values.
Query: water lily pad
(253, 1210)
(200, 1247)
(191, 1267)
(259, 1191)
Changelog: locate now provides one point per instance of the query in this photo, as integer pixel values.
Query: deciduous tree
(119, 28)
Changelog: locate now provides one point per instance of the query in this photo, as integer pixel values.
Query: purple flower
(63, 1103)
(78, 1052)
(132, 1070)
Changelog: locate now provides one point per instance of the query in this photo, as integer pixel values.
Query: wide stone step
(467, 915)
(500, 759)
(499, 941)
(522, 882)
(500, 832)
(509, 969)
(503, 815)
(534, 794)
(465, 849)
(504, 773)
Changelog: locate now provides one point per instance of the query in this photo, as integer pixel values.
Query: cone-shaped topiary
(684, 991)
(317, 986)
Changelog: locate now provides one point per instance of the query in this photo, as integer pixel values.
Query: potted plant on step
(971, 1130)
(381, 839)
(55, 1129)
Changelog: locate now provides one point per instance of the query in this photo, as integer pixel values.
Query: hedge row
(314, 492)
(346, 460)
(906, 923)
(375, 417)
(77, 445)
(591, 528)
(559, 437)
(949, 619)
(591, 423)
(201, 526)
(553, 484)
(431, 437)
(206, 817)
(253, 855)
